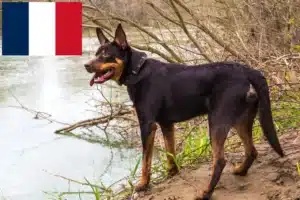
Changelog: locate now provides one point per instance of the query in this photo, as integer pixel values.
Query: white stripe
(41, 28)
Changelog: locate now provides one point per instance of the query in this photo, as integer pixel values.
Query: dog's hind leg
(244, 130)
(218, 134)
(226, 109)
(169, 138)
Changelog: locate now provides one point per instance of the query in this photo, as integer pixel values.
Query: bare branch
(183, 26)
(153, 50)
(208, 32)
(37, 114)
(159, 11)
(152, 35)
(96, 21)
(136, 25)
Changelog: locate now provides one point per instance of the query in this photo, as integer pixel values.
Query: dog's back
(189, 91)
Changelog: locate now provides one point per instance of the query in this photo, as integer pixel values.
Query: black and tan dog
(164, 93)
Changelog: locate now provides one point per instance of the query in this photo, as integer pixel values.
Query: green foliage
(296, 48)
(100, 191)
(291, 21)
(94, 189)
(195, 148)
(286, 112)
(298, 168)
(133, 174)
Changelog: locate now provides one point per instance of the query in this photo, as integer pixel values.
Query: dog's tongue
(92, 81)
(97, 79)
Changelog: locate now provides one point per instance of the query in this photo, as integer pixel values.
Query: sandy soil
(270, 177)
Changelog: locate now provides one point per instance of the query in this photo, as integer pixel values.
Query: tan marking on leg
(169, 139)
(244, 130)
(218, 162)
(218, 138)
(147, 160)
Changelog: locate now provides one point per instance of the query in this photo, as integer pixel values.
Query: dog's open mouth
(101, 77)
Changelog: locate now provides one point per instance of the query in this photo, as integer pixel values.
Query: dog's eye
(105, 55)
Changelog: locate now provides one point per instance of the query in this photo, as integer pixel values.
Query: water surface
(30, 151)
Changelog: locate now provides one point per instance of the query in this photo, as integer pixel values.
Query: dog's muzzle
(89, 67)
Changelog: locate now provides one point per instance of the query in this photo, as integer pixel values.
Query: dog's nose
(88, 67)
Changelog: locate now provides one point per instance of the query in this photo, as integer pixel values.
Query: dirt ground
(270, 177)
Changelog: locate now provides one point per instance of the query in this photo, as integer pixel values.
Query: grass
(100, 191)
(286, 114)
(195, 148)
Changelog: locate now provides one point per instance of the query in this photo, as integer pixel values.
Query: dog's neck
(134, 64)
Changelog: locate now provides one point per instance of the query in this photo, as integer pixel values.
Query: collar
(135, 74)
(138, 67)
(135, 64)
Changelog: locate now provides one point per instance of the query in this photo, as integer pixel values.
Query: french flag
(41, 28)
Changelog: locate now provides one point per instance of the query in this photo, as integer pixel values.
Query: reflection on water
(29, 149)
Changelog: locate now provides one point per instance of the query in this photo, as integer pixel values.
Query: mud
(269, 178)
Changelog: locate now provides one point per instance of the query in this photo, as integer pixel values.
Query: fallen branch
(93, 122)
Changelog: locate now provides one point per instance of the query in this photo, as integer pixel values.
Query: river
(30, 151)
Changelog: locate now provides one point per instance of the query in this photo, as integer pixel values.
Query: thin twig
(183, 26)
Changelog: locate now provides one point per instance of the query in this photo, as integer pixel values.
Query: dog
(230, 93)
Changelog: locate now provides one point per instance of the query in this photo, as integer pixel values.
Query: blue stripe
(15, 28)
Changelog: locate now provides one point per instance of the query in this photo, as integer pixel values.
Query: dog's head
(110, 58)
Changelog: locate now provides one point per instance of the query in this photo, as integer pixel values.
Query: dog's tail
(265, 115)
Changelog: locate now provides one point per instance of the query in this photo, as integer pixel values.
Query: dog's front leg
(147, 134)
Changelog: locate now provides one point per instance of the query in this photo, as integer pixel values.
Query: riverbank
(270, 177)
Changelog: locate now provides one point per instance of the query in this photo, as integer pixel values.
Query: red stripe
(68, 28)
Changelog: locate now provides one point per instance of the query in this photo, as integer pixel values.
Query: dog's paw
(239, 170)
(203, 195)
(173, 171)
(141, 187)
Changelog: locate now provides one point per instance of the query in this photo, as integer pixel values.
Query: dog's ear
(120, 37)
(101, 37)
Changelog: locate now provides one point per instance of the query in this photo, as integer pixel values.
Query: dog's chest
(132, 93)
